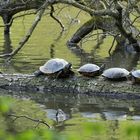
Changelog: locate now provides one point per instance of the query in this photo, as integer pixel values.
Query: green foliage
(133, 130)
(95, 128)
(130, 130)
(28, 135)
(5, 104)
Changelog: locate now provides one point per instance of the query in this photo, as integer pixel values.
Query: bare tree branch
(115, 9)
(135, 20)
(103, 12)
(56, 19)
(29, 118)
(11, 21)
(30, 31)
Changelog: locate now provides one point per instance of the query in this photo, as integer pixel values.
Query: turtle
(116, 74)
(56, 67)
(135, 76)
(91, 70)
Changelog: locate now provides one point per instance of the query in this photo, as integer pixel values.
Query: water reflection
(29, 60)
(123, 59)
(53, 45)
(87, 106)
(118, 58)
(84, 56)
(7, 47)
(52, 51)
(115, 115)
(83, 107)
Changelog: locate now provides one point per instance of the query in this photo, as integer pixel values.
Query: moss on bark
(78, 85)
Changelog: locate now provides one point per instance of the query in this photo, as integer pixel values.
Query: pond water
(116, 114)
(45, 43)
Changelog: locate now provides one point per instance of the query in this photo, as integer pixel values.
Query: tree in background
(116, 18)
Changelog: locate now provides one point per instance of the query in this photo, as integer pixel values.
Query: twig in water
(35, 120)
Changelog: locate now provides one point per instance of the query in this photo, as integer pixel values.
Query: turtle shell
(53, 66)
(89, 70)
(136, 73)
(135, 76)
(116, 73)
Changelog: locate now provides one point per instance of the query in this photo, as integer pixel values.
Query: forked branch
(56, 19)
(29, 118)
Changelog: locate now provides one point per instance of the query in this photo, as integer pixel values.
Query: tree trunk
(6, 20)
(78, 85)
(119, 23)
(106, 24)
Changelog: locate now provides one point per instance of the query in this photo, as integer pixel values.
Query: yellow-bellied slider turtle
(91, 70)
(135, 76)
(116, 74)
(55, 67)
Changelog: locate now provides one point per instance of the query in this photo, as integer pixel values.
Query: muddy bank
(78, 85)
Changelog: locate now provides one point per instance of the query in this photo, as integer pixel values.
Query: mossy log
(77, 84)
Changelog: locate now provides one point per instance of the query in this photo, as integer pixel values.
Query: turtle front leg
(59, 74)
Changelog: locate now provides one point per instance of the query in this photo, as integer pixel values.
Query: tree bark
(77, 84)
(106, 24)
(6, 19)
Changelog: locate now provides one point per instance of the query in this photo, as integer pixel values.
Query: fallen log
(78, 85)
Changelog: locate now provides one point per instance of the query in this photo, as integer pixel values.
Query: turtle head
(68, 66)
(66, 71)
